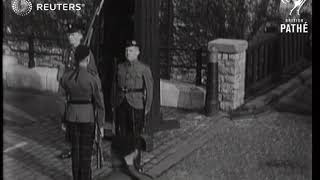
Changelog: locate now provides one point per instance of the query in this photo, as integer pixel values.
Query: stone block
(231, 71)
(225, 56)
(226, 106)
(220, 97)
(39, 78)
(23, 77)
(234, 57)
(228, 97)
(230, 79)
(52, 82)
(8, 61)
(229, 45)
(221, 79)
(181, 95)
(225, 88)
(222, 69)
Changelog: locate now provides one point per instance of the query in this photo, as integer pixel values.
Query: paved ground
(33, 138)
(275, 144)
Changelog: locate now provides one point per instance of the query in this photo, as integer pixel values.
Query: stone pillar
(231, 59)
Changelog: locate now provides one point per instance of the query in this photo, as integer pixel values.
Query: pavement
(33, 138)
(273, 140)
(275, 144)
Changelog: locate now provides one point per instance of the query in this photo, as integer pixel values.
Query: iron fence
(36, 50)
(269, 57)
(186, 26)
(186, 65)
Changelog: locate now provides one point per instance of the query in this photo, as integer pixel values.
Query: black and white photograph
(157, 89)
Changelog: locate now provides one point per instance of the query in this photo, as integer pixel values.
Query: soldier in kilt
(74, 36)
(133, 97)
(85, 107)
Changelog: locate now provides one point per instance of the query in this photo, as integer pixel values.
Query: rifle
(87, 39)
(98, 143)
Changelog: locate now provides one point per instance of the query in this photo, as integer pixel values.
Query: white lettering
(293, 27)
(282, 27)
(45, 7)
(305, 28)
(65, 7)
(59, 6)
(52, 7)
(288, 30)
(71, 7)
(78, 7)
(39, 7)
(299, 28)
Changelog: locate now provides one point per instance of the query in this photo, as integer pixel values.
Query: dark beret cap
(132, 43)
(75, 27)
(81, 52)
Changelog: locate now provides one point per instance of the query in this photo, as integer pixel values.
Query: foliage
(195, 22)
(188, 25)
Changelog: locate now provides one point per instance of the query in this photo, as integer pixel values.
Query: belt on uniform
(127, 90)
(80, 102)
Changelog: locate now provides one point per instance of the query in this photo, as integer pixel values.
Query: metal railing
(37, 48)
(269, 56)
(187, 65)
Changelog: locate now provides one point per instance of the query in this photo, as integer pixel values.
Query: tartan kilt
(82, 137)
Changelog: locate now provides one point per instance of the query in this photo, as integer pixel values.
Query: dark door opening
(126, 20)
(118, 28)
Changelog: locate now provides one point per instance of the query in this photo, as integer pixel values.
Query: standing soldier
(75, 37)
(85, 107)
(134, 93)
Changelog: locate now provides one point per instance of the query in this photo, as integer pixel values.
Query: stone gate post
(231, 59)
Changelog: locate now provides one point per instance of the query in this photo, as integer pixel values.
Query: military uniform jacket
(68, 61)
(132, 75)
(68, 58)
(83, 84)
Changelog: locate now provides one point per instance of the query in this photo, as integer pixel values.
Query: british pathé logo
(292, 24)
(297, 5)
(21, 7)
(24, 7)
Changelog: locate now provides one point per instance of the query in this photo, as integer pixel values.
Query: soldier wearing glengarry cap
(134, 93)
(74, 33)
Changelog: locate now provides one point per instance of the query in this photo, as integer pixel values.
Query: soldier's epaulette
(92, 72)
